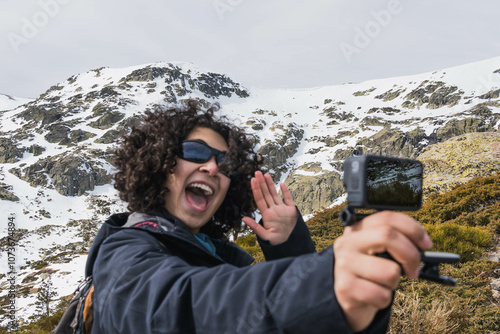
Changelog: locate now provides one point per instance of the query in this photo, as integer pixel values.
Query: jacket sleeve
(298, 243)
(141, 288)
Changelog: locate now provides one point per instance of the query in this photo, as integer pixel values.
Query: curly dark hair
(147, 155)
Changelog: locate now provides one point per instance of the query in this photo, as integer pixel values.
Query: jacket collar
(168, 229)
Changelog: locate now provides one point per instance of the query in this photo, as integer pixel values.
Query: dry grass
(410, 315)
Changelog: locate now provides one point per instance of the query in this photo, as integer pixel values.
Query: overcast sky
(259, 43)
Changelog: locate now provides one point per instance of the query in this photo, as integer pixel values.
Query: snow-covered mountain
(55, 151)
(8, 102)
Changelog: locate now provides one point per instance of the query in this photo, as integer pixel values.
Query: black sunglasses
(199, 152)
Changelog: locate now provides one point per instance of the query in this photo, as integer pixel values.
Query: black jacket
(155, 277)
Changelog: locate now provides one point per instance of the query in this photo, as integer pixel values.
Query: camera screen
(395, 182)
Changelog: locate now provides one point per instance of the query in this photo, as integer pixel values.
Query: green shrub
(464, 199)
(469, 242)
(325, 227)
(488, 216)
(249, 243)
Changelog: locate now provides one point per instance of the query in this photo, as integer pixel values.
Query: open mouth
(198, 196)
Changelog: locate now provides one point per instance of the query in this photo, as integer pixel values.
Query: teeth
(206, 189)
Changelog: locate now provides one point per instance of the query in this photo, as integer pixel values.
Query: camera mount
(431, 260)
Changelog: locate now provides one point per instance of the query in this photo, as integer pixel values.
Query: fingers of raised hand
(287, 197)
(260, 190)
(257, 192)
(264, 190)
(256, 227)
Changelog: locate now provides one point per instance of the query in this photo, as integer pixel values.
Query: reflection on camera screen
(394, 182)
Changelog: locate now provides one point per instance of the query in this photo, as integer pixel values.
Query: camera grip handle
(431, 260)
(430, 270)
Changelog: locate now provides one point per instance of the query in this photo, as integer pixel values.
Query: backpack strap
(88, 310)
(71, 320)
